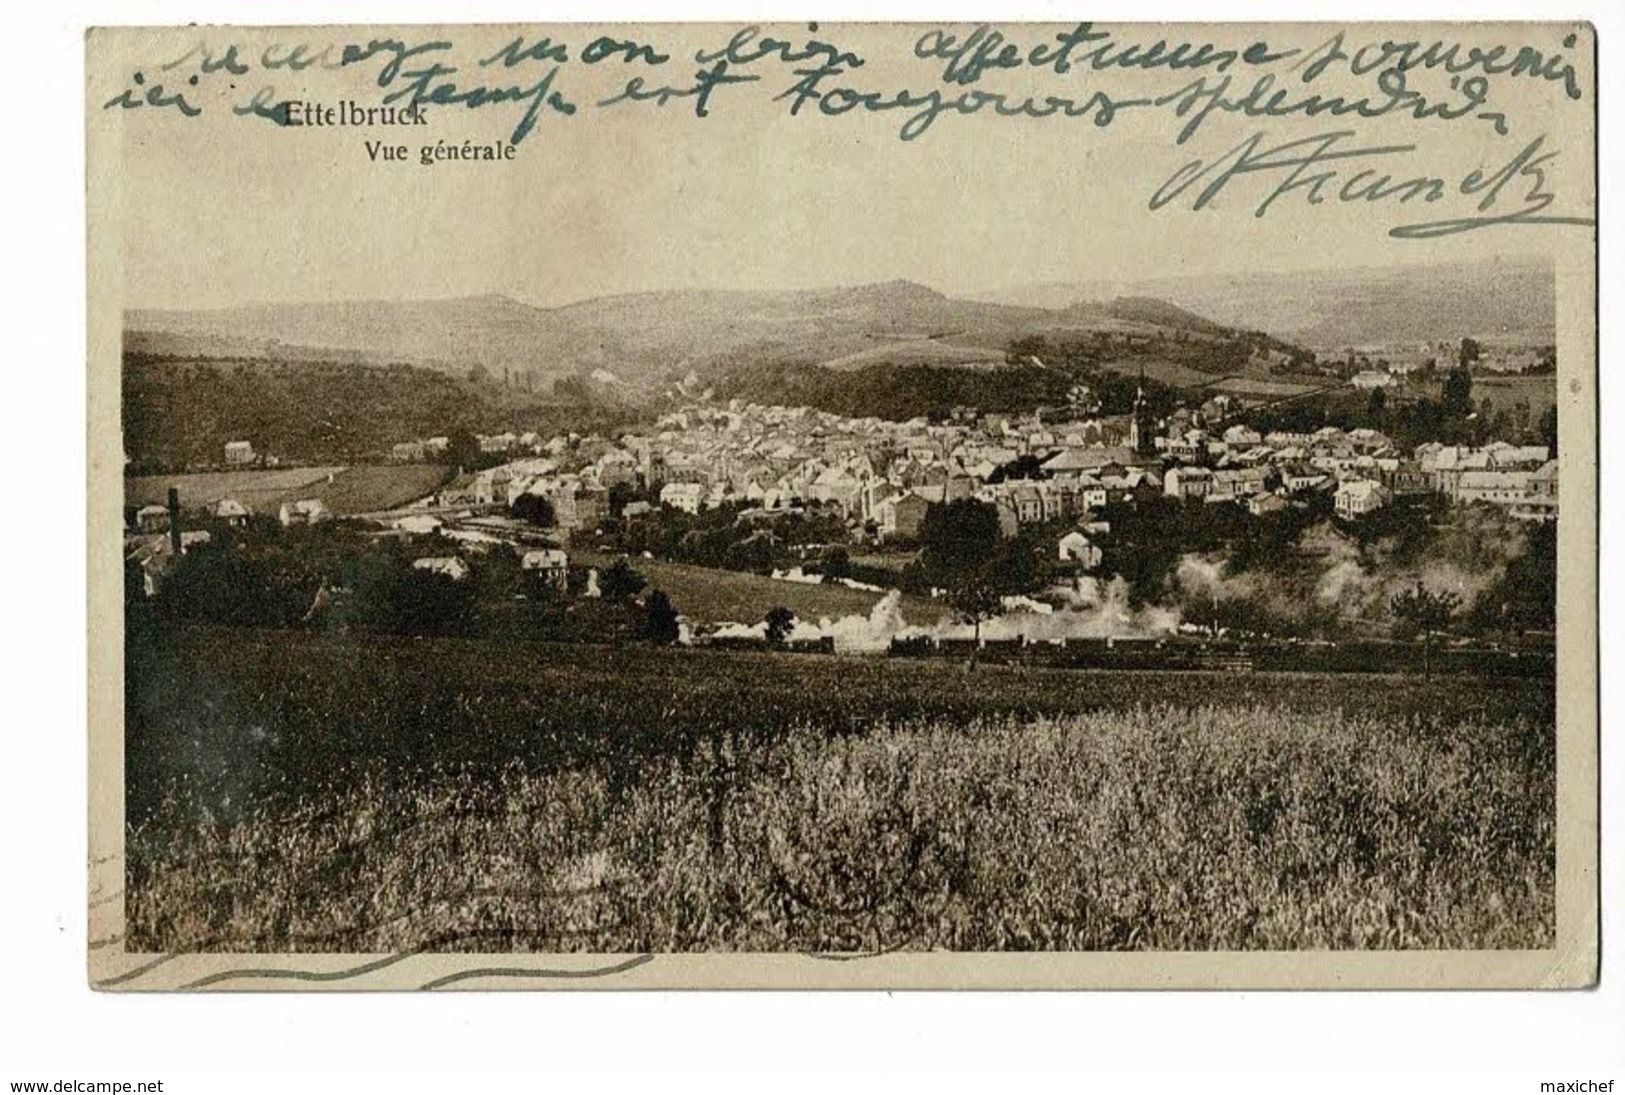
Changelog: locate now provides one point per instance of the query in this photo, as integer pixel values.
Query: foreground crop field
(293, 791)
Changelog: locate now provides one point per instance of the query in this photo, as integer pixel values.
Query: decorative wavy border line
(263, 973)
(131, 975)
(548, 974)
(297, 975)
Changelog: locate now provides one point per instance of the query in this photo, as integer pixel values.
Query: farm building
(231, 511)
(239, 452)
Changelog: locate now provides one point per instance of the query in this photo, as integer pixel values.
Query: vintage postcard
(842, 505)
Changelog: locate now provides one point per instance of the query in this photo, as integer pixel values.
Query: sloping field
(1170, 373)
(917, 352)
(1540, 392)
(1260, 390)
(255, 488)
(360, 489)
(705, 595)
(369, 488)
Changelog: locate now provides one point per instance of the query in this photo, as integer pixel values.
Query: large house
(1540, 504)
(1183, 482)
(239, 452)
(548, 564)
(1358, 497)
(683, 496)
(901, 516)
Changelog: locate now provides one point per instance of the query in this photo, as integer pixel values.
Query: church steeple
(1139, 429)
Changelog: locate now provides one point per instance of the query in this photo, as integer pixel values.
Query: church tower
(1140, 428)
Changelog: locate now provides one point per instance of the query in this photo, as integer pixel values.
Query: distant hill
(644, 337)
(179, 413)
(1509, 300)
(1148, 312)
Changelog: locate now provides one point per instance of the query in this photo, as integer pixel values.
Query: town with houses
(880, 478)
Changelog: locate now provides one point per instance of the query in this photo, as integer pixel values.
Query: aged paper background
(224, 162)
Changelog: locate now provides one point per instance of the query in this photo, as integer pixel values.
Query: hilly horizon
(1508, 299)
(646, 338)
(642, 337)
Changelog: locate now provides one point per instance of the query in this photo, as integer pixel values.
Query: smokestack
(175, 521)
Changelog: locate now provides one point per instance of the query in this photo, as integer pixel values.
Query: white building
(306, 511)
(683, 496)
(549, 564)
(1075, 547)
(448, 565)
(1358, 497)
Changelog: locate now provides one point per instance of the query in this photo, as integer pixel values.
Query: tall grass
(1151, 826)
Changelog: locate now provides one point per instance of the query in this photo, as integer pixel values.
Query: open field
(1171, 373)
(375, 794)
(920, 351)
(708, 595)
(363, 488)
(253, 487)
(1251, 390)
(1540, 392)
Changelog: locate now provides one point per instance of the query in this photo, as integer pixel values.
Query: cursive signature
(1333, 167)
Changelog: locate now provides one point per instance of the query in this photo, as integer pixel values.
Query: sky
(219, 210)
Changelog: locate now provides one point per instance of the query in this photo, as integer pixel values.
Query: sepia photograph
(639, 521)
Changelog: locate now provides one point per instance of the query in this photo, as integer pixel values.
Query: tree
(1025, 466)
(619, 582)
(220, 584)
(534, 508)
(1377, 406)
(660, 623)
(837, 564)
(780, 621)
(1469, 353)
(957, 539)
(1548, 429)
(390, 596)
(1457, 395)
(463, 450)
(974, 598)
(1419, 612)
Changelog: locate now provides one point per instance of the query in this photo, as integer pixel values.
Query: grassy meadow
(710, 595)
(361, 488)
(301, 792)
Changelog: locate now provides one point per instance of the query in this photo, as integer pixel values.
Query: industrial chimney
(175, 521)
